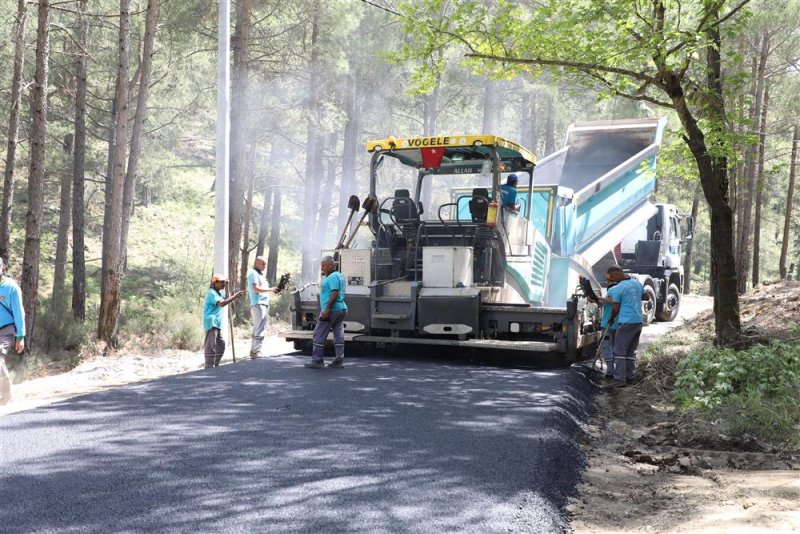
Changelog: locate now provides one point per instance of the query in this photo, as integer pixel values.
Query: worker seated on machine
(508, 194)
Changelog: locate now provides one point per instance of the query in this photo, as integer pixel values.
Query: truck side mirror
(689, 229)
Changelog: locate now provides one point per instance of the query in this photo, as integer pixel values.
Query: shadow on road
(411, 443)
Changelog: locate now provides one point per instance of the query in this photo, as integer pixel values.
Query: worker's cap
(512, 178)
(216, 277)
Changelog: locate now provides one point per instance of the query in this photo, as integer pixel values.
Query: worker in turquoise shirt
(214, 346)
(627, 310)
(12, 327)
(258, 289)
(333, 310)
(508, 193)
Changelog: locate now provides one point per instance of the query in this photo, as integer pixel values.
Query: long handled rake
(231, 315)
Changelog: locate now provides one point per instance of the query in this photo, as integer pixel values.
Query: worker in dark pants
(333, 310)
(626, 299)
(610, 329)
(214, 345)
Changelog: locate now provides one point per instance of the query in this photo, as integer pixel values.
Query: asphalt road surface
(389, 444)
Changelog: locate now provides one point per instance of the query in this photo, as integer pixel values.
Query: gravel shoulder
(643, 476)
(98, 373)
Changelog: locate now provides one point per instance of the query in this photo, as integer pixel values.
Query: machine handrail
(381, 228)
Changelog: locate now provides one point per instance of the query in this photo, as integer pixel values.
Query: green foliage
(708, 376)
(279, 306)
(172, 322)
(772, 419)
(58, 331)
(754, 390)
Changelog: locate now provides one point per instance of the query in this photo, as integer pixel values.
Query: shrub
(185, 332)
(279, 306)
(753, 391)
(174, 321)
(708, 376)
(57, 331)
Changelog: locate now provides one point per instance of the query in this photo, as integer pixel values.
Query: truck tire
(668, 310)
(649, 306)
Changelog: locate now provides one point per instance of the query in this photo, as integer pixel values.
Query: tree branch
(639, 96)
(584, 67)
(733, 11)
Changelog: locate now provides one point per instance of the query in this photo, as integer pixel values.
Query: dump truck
(444, 262)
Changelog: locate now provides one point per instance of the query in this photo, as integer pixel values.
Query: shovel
(352, 204)
(370, 205)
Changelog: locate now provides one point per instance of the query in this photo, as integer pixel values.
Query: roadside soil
(650, 469)
(55, 381)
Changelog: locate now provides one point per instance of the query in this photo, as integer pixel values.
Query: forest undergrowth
(742, 399)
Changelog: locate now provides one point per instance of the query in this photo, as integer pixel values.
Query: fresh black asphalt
(389, 444)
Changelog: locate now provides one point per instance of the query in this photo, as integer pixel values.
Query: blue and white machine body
(601, 179)
(452, 265)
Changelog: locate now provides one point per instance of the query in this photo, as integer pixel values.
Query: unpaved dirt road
(691, 307)
(631, 487)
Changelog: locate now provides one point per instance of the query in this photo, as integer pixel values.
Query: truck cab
(654, 253)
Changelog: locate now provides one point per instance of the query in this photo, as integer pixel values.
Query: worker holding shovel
(608, 324)
(609, 327)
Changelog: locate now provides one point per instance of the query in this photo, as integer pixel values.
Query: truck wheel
(668, 310)
(649, 306)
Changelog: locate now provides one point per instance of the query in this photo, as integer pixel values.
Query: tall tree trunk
(109, 183)
(736, 178)
(13, 128)
(762, 136)
(311, 194)
(107, 325)
(326, 196)
(270, 183)
(490, 106)
(319, 163)
(62, 244)
(78, 169)
(243, 311)
(145, 71)
(550, 127)
(350, 149)
(527, 127)
(713, 169)
(743, 248)
(787, 220)
(263, 223)
(33, 219)
(274, 238)
(534, 125)
(239, 113)
(687, 258)
(742, 198)
(430, 113)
